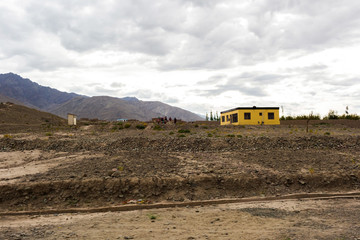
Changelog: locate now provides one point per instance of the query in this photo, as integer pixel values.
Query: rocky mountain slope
(23, 91)
(110, 108)
(32, 94)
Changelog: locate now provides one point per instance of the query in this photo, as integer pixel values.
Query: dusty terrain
(111, 165)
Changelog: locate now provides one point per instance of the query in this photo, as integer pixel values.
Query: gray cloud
(249, 84)
(343, 81)
(182, 34)
(117, 85)
(256, 78)
(213, 80)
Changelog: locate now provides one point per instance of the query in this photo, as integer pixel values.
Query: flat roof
(252, 108)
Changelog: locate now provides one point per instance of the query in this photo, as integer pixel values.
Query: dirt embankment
(107, 169)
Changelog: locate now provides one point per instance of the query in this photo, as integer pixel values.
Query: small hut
(71, 119)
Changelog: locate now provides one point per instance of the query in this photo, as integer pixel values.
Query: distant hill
(23, 91)
(13, 114)
(4, 99)
(110, 108)
(30, 93)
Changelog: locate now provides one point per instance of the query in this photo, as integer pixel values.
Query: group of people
(164, 120)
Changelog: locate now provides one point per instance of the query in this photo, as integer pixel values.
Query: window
(271, 115)
(260, 114)
(235, 117)
(247, 116)
(227, 118)
(223, 118)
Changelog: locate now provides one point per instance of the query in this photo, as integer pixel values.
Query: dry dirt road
(283, 220)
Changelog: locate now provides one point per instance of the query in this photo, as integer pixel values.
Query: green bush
(230, 135)
(127, 125)
(181, 135)
(184, 131)
(140, 126)
(301, 117)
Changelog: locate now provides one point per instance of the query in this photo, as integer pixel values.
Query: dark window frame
(235, 118)
(223, 118)
(271, 116)
(247, 116)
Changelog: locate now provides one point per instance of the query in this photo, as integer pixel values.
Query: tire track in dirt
(303, 196)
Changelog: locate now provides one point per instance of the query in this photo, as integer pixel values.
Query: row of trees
(212, 117)
(331, 115)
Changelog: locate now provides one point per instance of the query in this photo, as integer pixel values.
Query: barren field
(59, 183)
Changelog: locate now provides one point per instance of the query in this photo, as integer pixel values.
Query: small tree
(308, 120)
(332, 114)
(207, 117)
(211, 116)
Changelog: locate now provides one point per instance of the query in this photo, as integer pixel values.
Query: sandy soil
(286, 219)
(105, 165)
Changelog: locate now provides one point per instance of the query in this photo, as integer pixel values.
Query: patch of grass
(118, 127)
(184, 131)
(127, 125)
(196, 125)
(171, 133)
(8, 136)
(152, 216)
(181, 135)
(158, 128)
(205, 127)
(311, 170)
(209, 135)
(48, 134)
(239, 136)
(120, 168)
(230, 135)
(327, 133)
(140, 126)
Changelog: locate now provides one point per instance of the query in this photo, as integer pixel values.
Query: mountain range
(14, 88)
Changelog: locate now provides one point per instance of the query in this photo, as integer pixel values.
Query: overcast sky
(199, 55)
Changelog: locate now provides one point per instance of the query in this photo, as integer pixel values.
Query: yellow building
(250, 116)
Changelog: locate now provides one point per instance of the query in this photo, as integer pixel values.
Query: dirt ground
(109, 164)
(283, 220)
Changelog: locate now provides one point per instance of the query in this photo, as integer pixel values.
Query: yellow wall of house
(258, 116)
